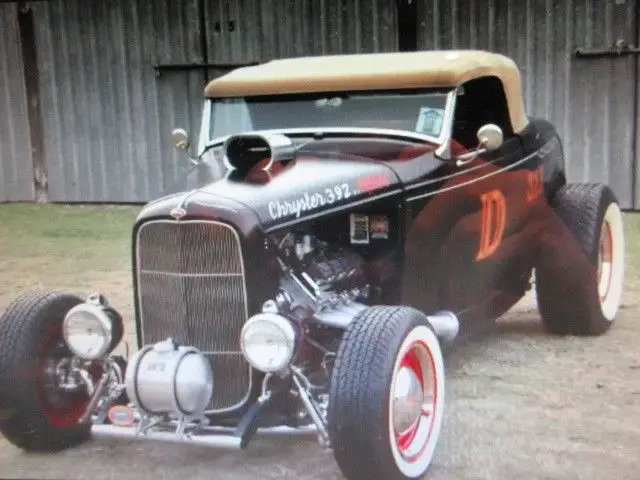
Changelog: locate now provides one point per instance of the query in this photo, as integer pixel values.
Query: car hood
(302, 189)
(289, 192)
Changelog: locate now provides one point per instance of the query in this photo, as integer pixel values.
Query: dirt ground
(521, 404)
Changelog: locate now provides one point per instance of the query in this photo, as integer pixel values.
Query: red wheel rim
(417, 365)
(62, 409)
(605, 261)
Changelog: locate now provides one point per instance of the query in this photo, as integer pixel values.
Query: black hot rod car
(374, 210)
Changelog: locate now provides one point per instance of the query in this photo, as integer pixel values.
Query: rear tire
(381, 427)
(581, 269)
(33, 418)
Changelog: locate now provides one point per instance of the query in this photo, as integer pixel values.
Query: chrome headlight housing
(91, 330)
(268, 342)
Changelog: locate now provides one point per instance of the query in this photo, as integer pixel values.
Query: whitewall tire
(580, 269)
(387, 398)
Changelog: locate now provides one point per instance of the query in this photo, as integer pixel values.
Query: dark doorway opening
(407, 25)
(26, 27)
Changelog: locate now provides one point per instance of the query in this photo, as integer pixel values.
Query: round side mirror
(180, 138)
(490, 136)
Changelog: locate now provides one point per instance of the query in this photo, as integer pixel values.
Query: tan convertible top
(376, 71)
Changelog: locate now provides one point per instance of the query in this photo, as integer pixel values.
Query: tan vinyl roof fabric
(376, 71)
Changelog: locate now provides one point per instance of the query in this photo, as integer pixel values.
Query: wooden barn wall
(16, 167)
(106, 116)
(106, 113)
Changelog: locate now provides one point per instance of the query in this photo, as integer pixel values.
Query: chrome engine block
(322, 282)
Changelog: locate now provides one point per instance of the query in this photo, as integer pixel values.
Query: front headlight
(88, 330)
(268, 342)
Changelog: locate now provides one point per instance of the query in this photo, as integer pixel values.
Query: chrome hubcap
(408, 398)
(413, 401)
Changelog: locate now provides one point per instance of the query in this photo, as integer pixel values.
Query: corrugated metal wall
(16, 168)
(590, 100)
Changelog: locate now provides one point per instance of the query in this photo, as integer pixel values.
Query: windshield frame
(206, 143)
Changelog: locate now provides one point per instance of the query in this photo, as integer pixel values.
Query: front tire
(36, 416)
(386, 402)
(580, 275)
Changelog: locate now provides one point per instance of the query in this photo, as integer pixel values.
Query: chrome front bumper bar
(216, 437)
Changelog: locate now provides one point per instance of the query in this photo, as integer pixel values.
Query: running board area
(214, 437)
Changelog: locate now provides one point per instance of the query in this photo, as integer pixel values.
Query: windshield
(421, 112)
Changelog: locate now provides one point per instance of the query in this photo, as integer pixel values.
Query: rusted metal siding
(256, 30)
(591, 100)
(106, 117)
(16, 168)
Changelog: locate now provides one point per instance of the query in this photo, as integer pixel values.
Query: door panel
(465, 232)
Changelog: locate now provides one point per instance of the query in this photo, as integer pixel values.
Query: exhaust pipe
(446, 325)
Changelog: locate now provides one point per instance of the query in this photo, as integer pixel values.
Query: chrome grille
(191, 287)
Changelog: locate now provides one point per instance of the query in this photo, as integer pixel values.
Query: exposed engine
(323, 286)
(321, 280)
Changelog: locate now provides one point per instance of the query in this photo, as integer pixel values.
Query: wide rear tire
(580, 274)
(386, 402)
(33, 416)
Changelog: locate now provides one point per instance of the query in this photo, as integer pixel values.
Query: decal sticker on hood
(373, 182)
(310, 201)
(380, 227)
(359, 227)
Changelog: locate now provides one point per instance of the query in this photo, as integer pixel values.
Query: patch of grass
(78, 248)
(65, 230)
(631, 297)
(632, 226)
